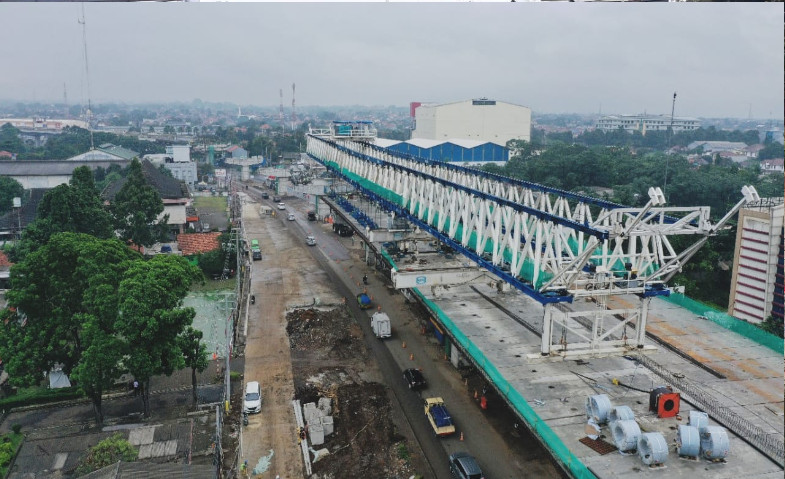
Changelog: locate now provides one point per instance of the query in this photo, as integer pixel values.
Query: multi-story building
(645, 123)
(480, 119)
(757, 282)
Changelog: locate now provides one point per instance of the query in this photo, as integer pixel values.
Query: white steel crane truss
(558, 244)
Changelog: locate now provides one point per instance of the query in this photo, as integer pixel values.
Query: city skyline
(553, 58)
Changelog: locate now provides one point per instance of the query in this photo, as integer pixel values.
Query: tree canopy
(150, 316)
(9, 189)
(97, 308)
(135, 209)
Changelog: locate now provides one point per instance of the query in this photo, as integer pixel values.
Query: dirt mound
(365, 443)
(333, 332)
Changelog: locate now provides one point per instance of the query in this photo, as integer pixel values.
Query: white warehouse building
(480, 119)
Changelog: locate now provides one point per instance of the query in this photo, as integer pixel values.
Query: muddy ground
(329, 359)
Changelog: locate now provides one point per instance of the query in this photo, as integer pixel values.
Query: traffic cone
(403, 345)
(461, 439)
(411, 357)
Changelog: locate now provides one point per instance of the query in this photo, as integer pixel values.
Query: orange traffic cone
(411, 357)
(461, 436)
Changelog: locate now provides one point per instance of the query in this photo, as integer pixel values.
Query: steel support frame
(595, 339)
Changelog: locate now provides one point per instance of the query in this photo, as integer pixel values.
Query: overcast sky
(721, 58)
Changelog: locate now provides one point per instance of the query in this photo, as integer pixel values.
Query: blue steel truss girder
(537, 213)
(517, 283)
(552, 239)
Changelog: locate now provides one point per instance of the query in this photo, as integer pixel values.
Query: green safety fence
(551, 440)
(728, 322)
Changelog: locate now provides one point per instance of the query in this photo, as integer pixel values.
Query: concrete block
(326, 406)
(316, 434)
(327, 424)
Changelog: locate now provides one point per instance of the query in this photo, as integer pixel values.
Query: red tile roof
(195, 243)
(4, 261)
(232, 148)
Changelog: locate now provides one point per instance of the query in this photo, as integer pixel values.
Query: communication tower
(294, 114)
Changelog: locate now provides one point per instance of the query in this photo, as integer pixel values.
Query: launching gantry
(551, 244)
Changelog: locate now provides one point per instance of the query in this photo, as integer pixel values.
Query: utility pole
(294, 114)
(667, 156)
(280, 111)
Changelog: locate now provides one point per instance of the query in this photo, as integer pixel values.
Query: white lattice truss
(545, 235)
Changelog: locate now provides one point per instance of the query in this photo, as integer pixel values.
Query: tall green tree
(9, 139)
(9, 189)
(195, 355)
(135, 209)
(151, 317)
(65, 297)
(75, 207)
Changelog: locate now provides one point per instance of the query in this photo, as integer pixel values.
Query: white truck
(380, 324)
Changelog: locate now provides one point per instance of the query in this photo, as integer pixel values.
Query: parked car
(464, 466)
(310, 240)
(414, 378)
(265, 195)
(343, 230)
(290, 217)
(276, 199)
(252, 403)
(281, 206)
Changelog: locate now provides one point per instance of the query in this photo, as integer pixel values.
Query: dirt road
(283, 279)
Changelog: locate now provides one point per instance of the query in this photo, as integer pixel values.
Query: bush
(235, 375)
(107, 452)
(16, 428)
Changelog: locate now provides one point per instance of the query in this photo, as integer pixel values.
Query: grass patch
(403, 452)
(215, 285)
(40, 395)
(217, 203)
(9, 446)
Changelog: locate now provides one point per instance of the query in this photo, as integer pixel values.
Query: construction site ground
(304, 340)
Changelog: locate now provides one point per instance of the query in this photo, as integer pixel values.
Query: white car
(290, 217)
(252, 403)
(281, 206)
(310, 240)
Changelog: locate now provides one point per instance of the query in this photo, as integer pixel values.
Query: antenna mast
(667, 156)
(294, 115)
(89, 115)
(65, 100)
(280, 110)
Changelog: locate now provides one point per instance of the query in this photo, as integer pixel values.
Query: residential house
(235, 151)
(774, 165)
(106, 151)
(752, 151)
(191, 244)
(711, 147)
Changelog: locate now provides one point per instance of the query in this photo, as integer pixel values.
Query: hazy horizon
(723, 59)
